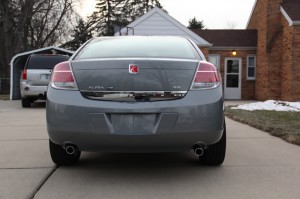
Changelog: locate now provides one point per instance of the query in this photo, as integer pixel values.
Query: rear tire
(26, 102)
(214, 155)
(60, 157)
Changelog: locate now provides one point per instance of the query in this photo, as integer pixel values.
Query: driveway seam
(241, 138)
(22, 140)
(42, 183)
(8, 168)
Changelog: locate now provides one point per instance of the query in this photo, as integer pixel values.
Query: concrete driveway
(256, 166)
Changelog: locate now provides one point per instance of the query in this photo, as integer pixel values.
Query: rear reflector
(62, 77)
(207, 76)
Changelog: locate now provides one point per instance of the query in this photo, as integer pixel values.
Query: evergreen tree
(196, 24)
(135, 8)
(104, 15)
(81, 34)
(110, 13)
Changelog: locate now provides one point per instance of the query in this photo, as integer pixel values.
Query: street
(257, 165)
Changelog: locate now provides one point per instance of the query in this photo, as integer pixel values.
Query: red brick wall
(266, 19)
(295, 87)
(290, 80)
(205, 51)
(287, 61)
(258, 21)
(253, 21)
(248, 86)
(278, 53)
(274, 48)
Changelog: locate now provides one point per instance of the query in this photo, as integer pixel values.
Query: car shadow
(139, 167)
(139, 160)
(38, 104)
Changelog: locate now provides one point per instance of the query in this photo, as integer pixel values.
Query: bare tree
(31, 24)
(231, 25)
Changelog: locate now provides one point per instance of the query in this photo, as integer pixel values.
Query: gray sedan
(136, 94)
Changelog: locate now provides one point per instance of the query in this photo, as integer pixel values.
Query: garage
(18, 62)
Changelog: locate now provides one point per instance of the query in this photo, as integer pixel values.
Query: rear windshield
(45, 61)
(154, 47)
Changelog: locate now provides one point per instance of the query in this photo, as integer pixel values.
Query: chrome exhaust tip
(70, 149)
(199, 151)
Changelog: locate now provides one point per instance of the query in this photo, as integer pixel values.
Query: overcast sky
(216, 14)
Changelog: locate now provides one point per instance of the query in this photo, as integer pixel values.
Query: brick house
(261, 62)
(278, 49)
(277, 52)
(234, 53)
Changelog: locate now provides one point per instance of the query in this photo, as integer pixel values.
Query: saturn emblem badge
(133, 69)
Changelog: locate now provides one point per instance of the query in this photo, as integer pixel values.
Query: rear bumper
(32, 91)
(174, 125)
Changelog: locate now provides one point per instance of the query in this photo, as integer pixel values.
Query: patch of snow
(271, 105)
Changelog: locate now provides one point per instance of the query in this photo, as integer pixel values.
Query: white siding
(157, 22)
(156, 25)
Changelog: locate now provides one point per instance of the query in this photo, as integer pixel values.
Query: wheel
(26, 102)
(215, 154)
(60, 157)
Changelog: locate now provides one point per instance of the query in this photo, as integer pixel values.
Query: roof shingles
(292, 8)
(229, 38)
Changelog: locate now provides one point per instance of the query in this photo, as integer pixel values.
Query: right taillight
(62, 77)
(207, 76)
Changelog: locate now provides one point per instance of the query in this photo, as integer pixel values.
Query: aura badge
(133, 69)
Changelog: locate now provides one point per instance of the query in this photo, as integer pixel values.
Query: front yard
(285, 125)
(4, 97)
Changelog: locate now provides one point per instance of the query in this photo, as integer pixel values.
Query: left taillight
(24, 74)
(62, 77)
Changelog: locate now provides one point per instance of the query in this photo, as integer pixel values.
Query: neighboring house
(234, 53)
(157, 22)
(261, 62)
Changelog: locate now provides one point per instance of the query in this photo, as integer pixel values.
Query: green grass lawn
(4, 97)
(285, 125)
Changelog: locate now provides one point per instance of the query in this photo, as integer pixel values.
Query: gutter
(287, 17)
(233, 48)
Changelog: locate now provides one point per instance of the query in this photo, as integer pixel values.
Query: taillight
(62, 77)
(207, 76)
(24, 74)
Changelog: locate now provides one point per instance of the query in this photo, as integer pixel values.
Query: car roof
(40, 55)
(136, 36)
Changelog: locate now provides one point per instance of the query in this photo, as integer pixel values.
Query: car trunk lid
(134, 79)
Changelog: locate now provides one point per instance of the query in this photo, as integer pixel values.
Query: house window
(251, 67)
(214, 59)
